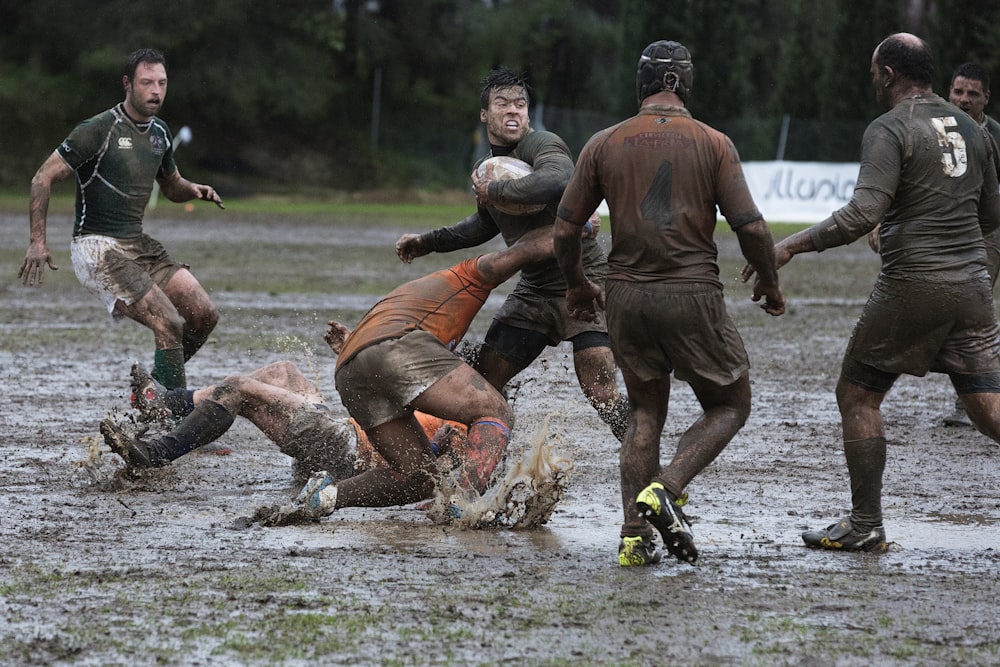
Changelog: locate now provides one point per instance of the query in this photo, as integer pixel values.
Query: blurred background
(355, 95)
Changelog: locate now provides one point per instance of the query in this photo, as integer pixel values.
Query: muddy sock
(486, 443)
(179, 401)
(866, 463)
(205, 424)
(616, 416)
(168, 368)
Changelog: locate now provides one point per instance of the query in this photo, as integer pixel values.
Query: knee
(204, 318)
(742, 414)
(503, 412)
(169, 324)
(230, 386)
(493, 409)
(736, 413)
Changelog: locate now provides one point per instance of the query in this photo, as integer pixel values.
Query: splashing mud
(525, 497)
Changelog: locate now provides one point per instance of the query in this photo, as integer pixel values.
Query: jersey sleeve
(169, 165)
(583, 193)
(84, 142)
(878, 178)
(470, 232)
(552, 167)
(733, 195)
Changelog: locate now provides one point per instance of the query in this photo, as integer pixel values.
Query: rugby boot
(148, 396)
(666, 516)
(843, 536)
(135, 452)
(638, 551)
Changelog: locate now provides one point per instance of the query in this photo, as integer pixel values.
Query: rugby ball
(506, 168)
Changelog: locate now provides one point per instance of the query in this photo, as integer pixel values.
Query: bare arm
(534, 246)
(583, 297)
(54, 169)
(757, 246)
(178, 189)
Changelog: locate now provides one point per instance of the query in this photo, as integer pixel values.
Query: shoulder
(606, 136)
(993, 127)
(159, 126)
(538, 142)
(106, 118)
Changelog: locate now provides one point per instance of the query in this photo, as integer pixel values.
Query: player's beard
(147, 107)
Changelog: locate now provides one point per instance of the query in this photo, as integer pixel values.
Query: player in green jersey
(116, 157)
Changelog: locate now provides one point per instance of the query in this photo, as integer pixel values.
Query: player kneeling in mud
(399, 360)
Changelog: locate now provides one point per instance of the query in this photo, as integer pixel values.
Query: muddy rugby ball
(505, 168)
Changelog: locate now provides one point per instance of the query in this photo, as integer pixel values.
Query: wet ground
(96, 569)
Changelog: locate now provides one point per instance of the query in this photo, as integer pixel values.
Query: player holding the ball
(534, 315)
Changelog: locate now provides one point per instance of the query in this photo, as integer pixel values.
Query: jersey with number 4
(663, 174)
(936, 163)
(116, 163)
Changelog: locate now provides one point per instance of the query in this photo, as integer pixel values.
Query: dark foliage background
(355, 94)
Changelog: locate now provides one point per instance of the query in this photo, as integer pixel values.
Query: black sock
(179, 401)
(205, 424)
(866, 463)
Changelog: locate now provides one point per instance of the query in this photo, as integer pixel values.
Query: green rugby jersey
(116, 164)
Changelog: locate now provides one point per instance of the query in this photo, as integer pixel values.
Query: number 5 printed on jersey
(954, 158)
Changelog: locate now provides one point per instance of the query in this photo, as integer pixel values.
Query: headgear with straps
(664, 65)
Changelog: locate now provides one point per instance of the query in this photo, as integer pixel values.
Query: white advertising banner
(800, 191)
(796, 191)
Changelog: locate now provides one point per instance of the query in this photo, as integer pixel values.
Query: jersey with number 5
(936, 164)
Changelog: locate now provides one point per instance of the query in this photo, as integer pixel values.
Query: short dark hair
(500, 77)
(974, 72)
(150, 56)
(910, 61)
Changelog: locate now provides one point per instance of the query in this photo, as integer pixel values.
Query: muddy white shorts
(121, 269)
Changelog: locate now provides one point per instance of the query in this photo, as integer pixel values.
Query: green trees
(356, 94)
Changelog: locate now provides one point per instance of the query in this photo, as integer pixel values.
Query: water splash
(525, 497)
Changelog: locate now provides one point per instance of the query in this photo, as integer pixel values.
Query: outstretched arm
(54, 169)
(471, 231)
(534, 246)
(757, 246)
(178, 189)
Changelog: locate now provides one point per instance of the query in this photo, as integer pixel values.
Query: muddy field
(98, 570)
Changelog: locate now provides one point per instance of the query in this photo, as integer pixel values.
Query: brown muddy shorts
(662, 328)
(917, 326)
(548, 315)
(321, 441)
(380, 382)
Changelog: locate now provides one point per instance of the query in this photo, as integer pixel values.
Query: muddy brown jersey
(663, 174)
(934, 161)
